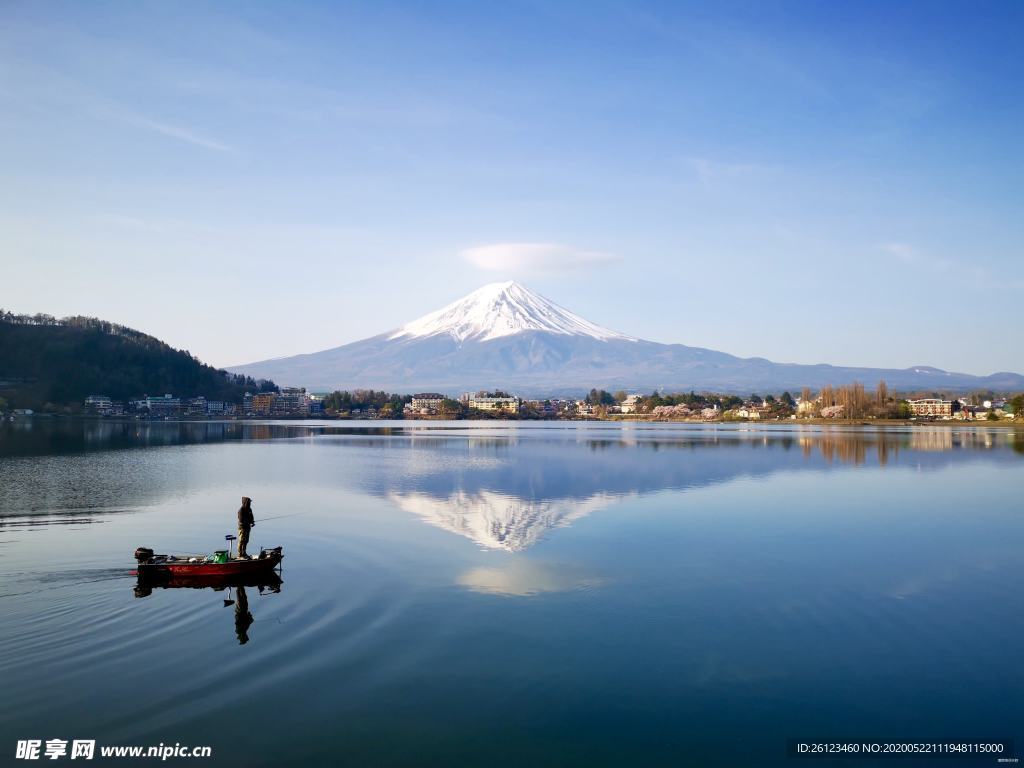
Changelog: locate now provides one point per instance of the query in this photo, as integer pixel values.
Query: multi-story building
(931, 406)
(168, 405)
(509, 404)
(100, 404)
(290, 401)
(426, 402)
(260, 404)
(195, 406)
(215, 407)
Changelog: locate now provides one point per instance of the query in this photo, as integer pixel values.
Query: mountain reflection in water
(497, 520)
(507, 499)
(469, 478)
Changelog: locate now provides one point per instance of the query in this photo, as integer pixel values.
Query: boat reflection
(265, 584)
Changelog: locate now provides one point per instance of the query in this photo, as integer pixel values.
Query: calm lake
(515, 594)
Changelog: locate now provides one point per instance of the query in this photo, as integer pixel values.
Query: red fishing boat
(220, 563)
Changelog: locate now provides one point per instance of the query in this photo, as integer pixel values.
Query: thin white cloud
(711, 170)
(967, 273)
(66, 93)
(182, 134)
(534, 258)
(902, 251)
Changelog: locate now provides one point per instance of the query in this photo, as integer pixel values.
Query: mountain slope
(45, 360)
(504, 335)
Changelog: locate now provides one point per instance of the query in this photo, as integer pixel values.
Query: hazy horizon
(799, 182)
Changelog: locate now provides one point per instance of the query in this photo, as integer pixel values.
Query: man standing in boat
(245, 523)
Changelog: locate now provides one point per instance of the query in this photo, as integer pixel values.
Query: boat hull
(230, 568)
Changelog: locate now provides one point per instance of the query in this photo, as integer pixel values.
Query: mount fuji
(506, 336)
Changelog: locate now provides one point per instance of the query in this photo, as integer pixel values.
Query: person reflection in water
(245, 523)
(243, 619)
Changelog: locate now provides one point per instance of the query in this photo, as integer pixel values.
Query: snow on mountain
(503, 309)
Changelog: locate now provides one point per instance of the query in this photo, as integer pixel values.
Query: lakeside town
(86, 366)
(850, 402)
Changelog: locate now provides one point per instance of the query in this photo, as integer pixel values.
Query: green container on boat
(220, 556)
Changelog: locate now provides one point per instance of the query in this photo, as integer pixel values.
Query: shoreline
(620, 419)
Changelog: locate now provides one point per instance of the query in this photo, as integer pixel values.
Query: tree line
(342, 401)
(54, 364)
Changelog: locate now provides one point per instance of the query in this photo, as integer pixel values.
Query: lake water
(515, 594)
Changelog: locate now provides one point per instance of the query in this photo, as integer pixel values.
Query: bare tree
(882, 393)
(827, 395)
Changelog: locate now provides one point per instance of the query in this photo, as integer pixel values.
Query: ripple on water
(177, 645)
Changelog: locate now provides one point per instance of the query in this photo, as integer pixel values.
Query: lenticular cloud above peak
(534, 258)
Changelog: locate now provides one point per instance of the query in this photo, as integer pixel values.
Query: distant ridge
(505, 335)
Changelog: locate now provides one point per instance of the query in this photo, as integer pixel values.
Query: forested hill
(59, 362)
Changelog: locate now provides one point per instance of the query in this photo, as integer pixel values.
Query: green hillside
(54, 364)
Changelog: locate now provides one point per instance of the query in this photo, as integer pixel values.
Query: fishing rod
(278, 517)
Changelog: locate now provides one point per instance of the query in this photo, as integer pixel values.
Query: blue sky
(807, 182)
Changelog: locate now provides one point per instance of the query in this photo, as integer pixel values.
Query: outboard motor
(142, 554)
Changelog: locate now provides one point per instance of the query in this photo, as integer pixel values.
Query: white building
(510, 404)
(630, 404)
(168, 405)
(807, 407)
(426, 402)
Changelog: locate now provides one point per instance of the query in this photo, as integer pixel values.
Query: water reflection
(265, 584)
(502, 486)
(679, 582)
(28, 437)
(505, 499)
(499, 520)
(525, 578)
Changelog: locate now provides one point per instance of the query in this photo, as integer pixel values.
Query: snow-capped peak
(503, 309)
